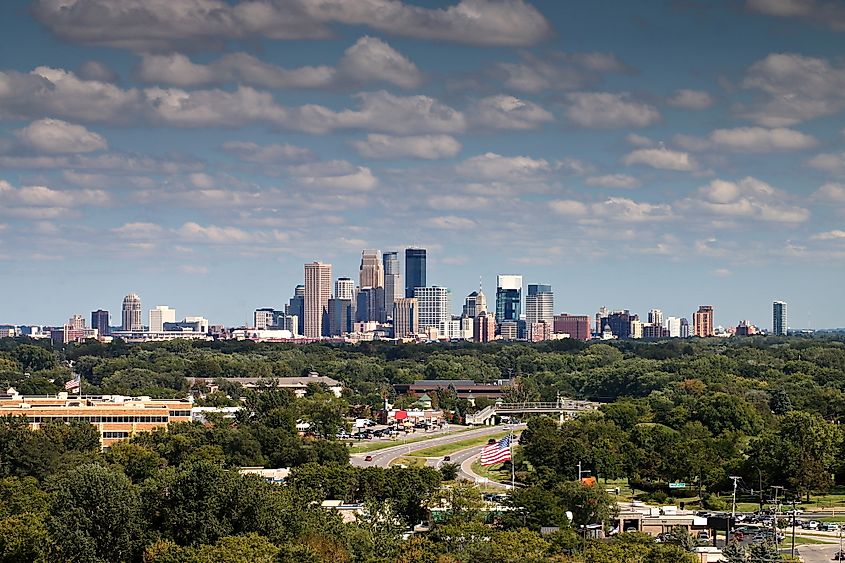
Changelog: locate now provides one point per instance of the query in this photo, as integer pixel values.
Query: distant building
(298, 385)
(702, 321)
(435, 307)
(745, 328)
(371, 271)
(619, 323)
(296, 307)
(159, 315)
(779, 318)
(318, 291)
(673, 327)
(369, 304)
(508, 297)
(602, 314)
(684, 328)
(344, 288)
(465, 388)
(539, 307)
(341, 316)
(653, 331)
(539, 332)
(101, 320)
(475, 304)
(484, 327)
(415, 270)
(655, 317)
(131, 313)
(393, 288)
(264, 318)
(192, 324)
(406, 320)
(576, 326)
(509, 330)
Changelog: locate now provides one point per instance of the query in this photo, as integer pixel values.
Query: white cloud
(269, 154)
(613, 181)
(452, 222)
(759, 139)
(373, 60)
(830, 13)
(195, 232)
(557, 71)
(639, 140)
(94, 70)
(509, 112)
(497, 167)
(167, 25)
(44, 202)
(833, 193)
(661, 158)
(608, 110)
(427, 147)
(628, 210)
(568, 207)
(748, 198)
(690, 99)
(829, 162)
(139, 230)
(334, 175)
(55, 136)
(830, 235)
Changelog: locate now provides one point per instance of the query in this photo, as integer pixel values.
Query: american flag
(497, 452)
(74, 383)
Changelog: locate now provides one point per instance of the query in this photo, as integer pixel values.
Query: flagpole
(513, 470)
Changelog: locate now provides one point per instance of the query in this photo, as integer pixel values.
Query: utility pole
(775, 515)
(792, 554)
(733, 500)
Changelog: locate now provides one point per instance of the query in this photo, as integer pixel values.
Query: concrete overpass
(563, 408)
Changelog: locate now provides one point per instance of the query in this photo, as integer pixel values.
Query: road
(382, 458)
(817, 553)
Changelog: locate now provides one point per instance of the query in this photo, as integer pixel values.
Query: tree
(449, 471)
(681, 537)
(137, 462)
(588, 504)
(23, 537)
(517, 546)
(34, 358)
(463, 503)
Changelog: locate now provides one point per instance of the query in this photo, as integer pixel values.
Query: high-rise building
(684, 328)
(620, 323)
(539, 307)
(344, 288)
(131, 317)
(779, 319)
(603, 312)
(340, 316)
(160, 315)
(76, 322)
(371, 271)
(415, 268)
(576, 326)
(702, 321)
(318, 291)
(508, 298)
(655, 317)
(673, 326)
(435, 307)
(484, 327)
(475, 304)
(296, 308)
(406, 321)
(370, 304)
(101, 320)
(393, 288)
(264, 317)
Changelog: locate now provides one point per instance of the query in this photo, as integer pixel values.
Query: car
(368, 458)
(738, 535)
(703, 536)
(839, 556)
(795, 511)
(811, 525)
(447, 458)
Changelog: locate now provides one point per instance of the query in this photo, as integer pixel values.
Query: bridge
(563, 408)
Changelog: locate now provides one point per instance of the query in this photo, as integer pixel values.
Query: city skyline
(634, 165)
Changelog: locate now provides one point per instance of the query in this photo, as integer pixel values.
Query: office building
(76, 322)
(264, 318)
(475, 304)
(415, 268)
(653, 331)
(344, 288)
(484, 327)
(702, 321)
(341, 316)
(655, 317)
(779, 319)
(673, 327)
(539, 308)
(318, 290)
(636, 329)
(160, 315)
(131, 314)
(393, 288)
(188, 324)
(406, 320)
(509, 330)
(435, 307)
(576, 326)
(684, 328)
(619, 323)
(369, 305)
(101, 320)
(508, 298)
(296, 308)
(603, 312)
(371, 271)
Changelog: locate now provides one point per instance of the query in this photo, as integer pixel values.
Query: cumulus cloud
(334, 175)
(628, 210)
(691, 99)
(832, 193)
(42, 202)
(55, 136)
(829, 13)
(830, 235)
(494, 166)
(568, 207)
(213, 234)
(613, 181)
(759, 139)
(166, 25)
(94, 70)
(661, 158)
(452, 222)
(557, 71)
(427, 147)
(608, 110)
(509, 112)
(748, 198)
(829, 162)
(373, 60)
(269, 154)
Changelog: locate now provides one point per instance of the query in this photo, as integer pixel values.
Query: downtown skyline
(619, 152)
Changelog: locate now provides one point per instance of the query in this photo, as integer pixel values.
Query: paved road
(382, 458)
(817, 553)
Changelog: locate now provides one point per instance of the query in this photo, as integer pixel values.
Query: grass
(409, 461)
(787, 543)
(367, 447)
(493, 472)
(447, 449)
(833, 519)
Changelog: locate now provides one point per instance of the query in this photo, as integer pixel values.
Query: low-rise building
(465, 388)
(299, 385)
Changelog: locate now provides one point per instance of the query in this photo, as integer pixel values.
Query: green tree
(449, 471)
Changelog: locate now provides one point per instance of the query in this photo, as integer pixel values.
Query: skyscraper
(371, 272)
(475, 304)
(160, 315)
(673, 325)
(264, 317)
(131, 316)
(702, 321)
(435, 307)
(392, 281)
(508, 298)
(539, 304)
(100, 320)
(779, 319)
(369, 304)
(655, 317)
(484, 327)
(406, 321)
(340, 316)
(344, 288)
(576, 326)
(296, 308)
(318, 291)
(414, 270)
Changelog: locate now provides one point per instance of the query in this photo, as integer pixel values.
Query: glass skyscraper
(508, 298)
(414, 270)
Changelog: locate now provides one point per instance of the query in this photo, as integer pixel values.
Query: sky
(635, 155)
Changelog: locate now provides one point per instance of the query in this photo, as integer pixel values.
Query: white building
(674, 326)
(160, 315)
(262, 318)
(539, 306)
(779, 319)
(435, 307)
(655, 317)
(344, 288)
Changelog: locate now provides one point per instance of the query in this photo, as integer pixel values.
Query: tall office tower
(779, 319)
(318, 291)
(576, 326)
(539, 304)
(369, 304)
(160, 315)
(132, 313)
(508, 298)
(296, 308)
(101, 320)
(414, 270)
(264, 317)
(620, 323)
(344, 288)
(603, 312)
(393, 288)
(340, 316)
(673, 325)
(475, 304)
(371, 272)
(406, 320)
(435, 307)
(655, 317)
(76, 322)
(684, 328)
(702, 321)
(484, 327)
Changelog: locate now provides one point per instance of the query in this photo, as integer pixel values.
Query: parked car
(447, 458)
(703, 536)
(368, 458)
(828, 527)
(839, 556)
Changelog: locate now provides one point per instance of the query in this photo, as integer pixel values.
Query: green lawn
(447, 449)
(409, 461)
(366, 447)
(833, 519)
(495, 473)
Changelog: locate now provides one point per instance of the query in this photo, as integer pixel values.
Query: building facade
(508, 297)
(318, 290)
(406, 320)
(702, 321)
(475, 304)
(415, 270)
(484, 327)
(539, 308)
(296, 307)
(393, 288)
(435, 307)
(131, 313)
(779, 318)
(371, 271)
(344, 288)
(341, 316)
(576, 326)
(159, 315)
(101, 320)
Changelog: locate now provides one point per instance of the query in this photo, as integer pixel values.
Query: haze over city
(632, 155)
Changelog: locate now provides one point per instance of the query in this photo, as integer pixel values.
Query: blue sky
(666, 153)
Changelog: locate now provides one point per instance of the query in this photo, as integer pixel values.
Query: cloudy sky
(665, 153)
